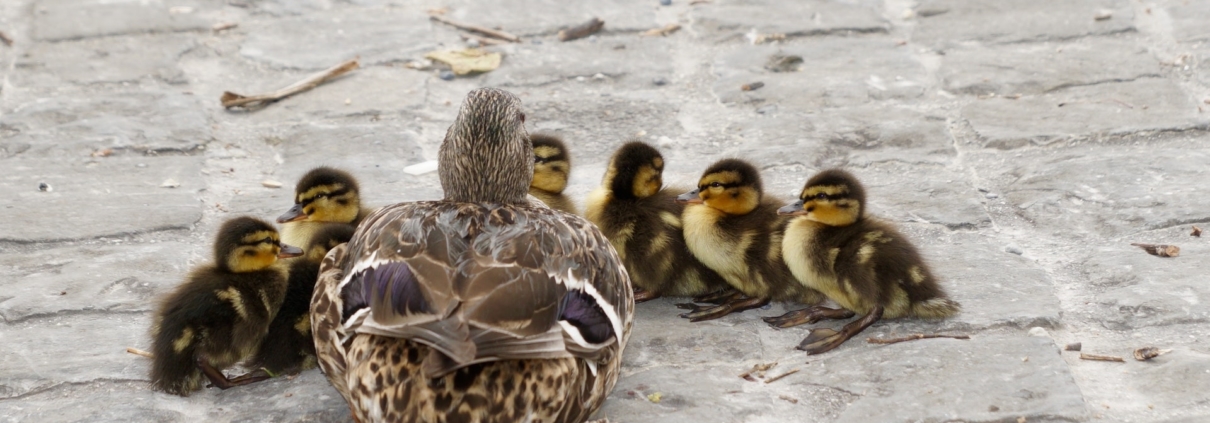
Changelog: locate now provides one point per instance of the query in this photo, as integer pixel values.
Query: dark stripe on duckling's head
(325, 194)
(731, 185)
(635, 171)
(486, 156)
(324, 176)
(834, 197)
(390, 286)
(583, 312)
(548, 148)
(247, 244)
(552, 164)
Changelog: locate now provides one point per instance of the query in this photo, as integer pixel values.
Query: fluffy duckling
(643, 222)
(219, 315)
(552, 167)
(288, 346)
(732, 228)
(479, 307)
(322, 195)
(861, 263)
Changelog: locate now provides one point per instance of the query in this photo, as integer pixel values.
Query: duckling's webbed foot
(251, 377)
(822, 340)
(701, 313)
(643, 295)
(808, 315)
(218, 380)
(718, 297)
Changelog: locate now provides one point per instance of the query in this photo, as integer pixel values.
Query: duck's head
(327, 238)
(552, 165)
(833, 197)
(732, 186)
(635, 171)
(246, 244)
(486, 156)
(325, 195)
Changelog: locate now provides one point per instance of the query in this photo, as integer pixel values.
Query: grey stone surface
(1025, 209)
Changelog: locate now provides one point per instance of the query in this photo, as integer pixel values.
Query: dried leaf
(1147, 353)
(655, 397)
(467, 61)
(1161, 250)
(1196, 232)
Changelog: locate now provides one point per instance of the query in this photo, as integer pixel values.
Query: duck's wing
(326, 327)
(485, 282)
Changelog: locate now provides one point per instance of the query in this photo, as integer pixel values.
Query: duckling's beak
(690, 197)
(295, 213)
(793, 209)
(288, 251)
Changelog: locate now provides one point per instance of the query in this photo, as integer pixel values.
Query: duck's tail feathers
(936, 308)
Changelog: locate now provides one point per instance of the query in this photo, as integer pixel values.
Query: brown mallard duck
(552, 168)
(480, 307)
(643, 221)
(220, 314)
(734, 229)
(858, 261)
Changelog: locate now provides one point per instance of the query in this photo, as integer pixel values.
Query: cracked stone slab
(1036, 68)
(944, 22)
(71, 348)
(936, 194)
(834, 73)
(319, 41)
(306, 398)
(521, 20)
(928, 380)
(1115, 108)
(78, 123)
(58, 20)
(1134, 289)
(96, 198)
(1098, 191)
(626, 59)
(107, 60)
(596, 129)
(732, 20)
(88, 278)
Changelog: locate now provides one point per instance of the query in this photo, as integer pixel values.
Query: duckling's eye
(716, 184)
(249, 253)
(821, 196)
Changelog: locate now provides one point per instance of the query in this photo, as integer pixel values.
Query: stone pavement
(1023, 144)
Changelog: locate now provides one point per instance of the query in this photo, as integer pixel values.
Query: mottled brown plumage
(220, 314)
(552, 168)
(860, 262)
(477, 308)
(732, 228)
(643, 222)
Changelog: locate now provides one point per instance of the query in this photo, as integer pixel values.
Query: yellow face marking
(670, 219)
(647, 182)
(721, 190)
(550, 176)
(829, 213)
(324, 207)
(183, 341)
(233, 296)
(546, 151)
(811, 192)
(916, 274)
(250, 258)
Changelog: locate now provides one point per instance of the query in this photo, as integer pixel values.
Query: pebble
(991, 195)
(45, 187)
(766, 109)
(665, 2)
(269, 183)
(1013, 249)
(1039, 332)
(660, 81)
(447, 75)
(472, 43)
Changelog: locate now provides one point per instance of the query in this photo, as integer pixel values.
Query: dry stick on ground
(1096, 357)
(231, 99)
(778, 377)
(757, 368)
(139, 352)
(913, 337)
(582, 30)
(7, 41)
(1161, 250)
(484, 41)
(475, 28)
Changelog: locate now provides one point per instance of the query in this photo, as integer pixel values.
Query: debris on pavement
(1102, 15)
(1074, 346)
(655, 397)
(139, 352)
(778, 377)
(269, 183)
(582, 30)
(913, 337)
(1161, 250)
(758, 369)
(660, 32)
(1196, 232)
(784, 63)
(170, 183)
(1098, 357)
(421, 168)
(230, 99)
(475, 28)
(466, 61)
(1147, 353)
(752, 87)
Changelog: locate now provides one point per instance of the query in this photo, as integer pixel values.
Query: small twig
(484, 41)
(475, 28)
(778, 377)
(1096, 357)
(5, 38)
(913, 337)
(223, 26)
(756, 368)
(139, 352)
(231, 99)
(788, 399)
(1161, 250)
(582, 30)
(660, 32)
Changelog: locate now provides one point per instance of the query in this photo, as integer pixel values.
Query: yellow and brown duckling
(643, 222)
(222, 311)
(552, 168)
(860, 262)
(322, 195)
(480, 307)
(734, 229)
(288, 346)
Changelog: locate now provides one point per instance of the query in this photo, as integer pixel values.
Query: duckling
(552, 167)
(219, 315)
(643, 222)
(480, 307)
(322, 195)
(732, 228)
(288, 346)
(860, 262)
